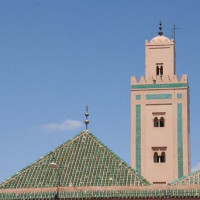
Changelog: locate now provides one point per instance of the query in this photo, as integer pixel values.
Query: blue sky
(56, 57)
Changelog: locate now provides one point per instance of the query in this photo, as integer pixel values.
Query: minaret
(160, 131)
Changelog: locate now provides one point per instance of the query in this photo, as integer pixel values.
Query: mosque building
(84, 168)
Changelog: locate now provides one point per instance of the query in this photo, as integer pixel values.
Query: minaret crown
(160, 57)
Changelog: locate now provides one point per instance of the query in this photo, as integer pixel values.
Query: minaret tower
(160, 129)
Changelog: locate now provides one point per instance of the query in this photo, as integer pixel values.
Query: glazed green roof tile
(190, 179)
(82, 161)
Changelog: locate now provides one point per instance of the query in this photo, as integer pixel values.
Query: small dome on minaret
(160, 39)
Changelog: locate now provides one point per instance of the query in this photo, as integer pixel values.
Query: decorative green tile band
(158, 96)
(138, 97)
(179, 96)
(138, 138)
(171, 85)
(170, 193)
(180, 140)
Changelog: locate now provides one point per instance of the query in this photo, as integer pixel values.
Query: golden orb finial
(86, 120)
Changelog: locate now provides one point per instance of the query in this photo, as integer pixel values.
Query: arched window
(157, 70)
(162, 122)
(155, 157)
(155, 122)
(162, 157)
(161, 70)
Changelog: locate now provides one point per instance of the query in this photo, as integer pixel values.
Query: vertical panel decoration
(138, 97)
(179, 96)
(180, 139)
(138, 138)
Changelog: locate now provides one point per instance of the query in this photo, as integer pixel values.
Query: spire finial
(160, 29)
(86, 120)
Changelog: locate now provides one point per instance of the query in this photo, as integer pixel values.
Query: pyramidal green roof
(81, 161)
(190, 179)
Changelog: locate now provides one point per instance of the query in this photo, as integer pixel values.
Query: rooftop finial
(160, 29)
(86, 120)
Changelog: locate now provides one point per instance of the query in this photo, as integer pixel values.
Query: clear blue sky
(56, 57)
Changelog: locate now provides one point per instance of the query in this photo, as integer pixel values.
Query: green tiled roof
(190, 179)
(82, 161)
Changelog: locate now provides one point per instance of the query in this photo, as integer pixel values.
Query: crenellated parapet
(159, 80)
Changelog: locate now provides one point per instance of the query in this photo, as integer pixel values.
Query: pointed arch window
(159, 69)
(159, 154)
(162, 157)
(155, 122)
(159, 122)
(162, 122)
(155, 157)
